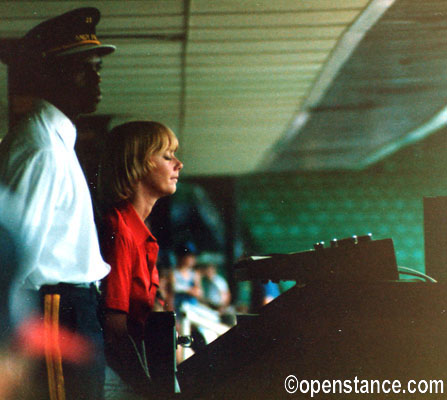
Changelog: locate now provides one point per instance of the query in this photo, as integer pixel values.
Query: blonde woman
(139, 168)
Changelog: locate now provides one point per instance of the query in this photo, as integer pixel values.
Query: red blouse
(131, 250)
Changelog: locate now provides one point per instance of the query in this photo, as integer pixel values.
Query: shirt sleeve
(117, 285)
(34, 181)
(221, 283)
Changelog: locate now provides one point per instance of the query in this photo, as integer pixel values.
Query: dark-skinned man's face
(77, 84)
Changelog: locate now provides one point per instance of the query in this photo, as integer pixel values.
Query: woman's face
(162, 178)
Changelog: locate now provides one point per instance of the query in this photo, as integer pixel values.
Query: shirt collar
(136, 224)
(59, 121)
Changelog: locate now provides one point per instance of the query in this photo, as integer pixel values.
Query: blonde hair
(126, 157)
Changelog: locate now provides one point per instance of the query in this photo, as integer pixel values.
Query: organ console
(349, 316)
(358, 258)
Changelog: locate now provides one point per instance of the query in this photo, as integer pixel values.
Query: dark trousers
(78, 313)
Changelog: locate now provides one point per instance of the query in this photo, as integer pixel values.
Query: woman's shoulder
(114, 221)
(111, 218)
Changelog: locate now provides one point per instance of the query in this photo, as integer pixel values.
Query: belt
(62, 286)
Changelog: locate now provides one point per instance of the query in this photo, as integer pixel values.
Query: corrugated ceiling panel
(259, 46)
(205, 6)
(19, 16)
(391, 93)
(248, 18)
(140, 72)
(259, 59)
(232, 149)
(277, 33)
(144, 48)
(168, 62)
(236, 61)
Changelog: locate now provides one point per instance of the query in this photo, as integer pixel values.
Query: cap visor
(101, 50)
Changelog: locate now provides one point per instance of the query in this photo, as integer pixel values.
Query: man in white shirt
(57, 68)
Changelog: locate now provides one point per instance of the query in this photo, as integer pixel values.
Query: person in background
(139, 167)
(216, 292)
(187, 281)
(56, 69)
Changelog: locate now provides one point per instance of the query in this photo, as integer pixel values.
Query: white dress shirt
(52, 210)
